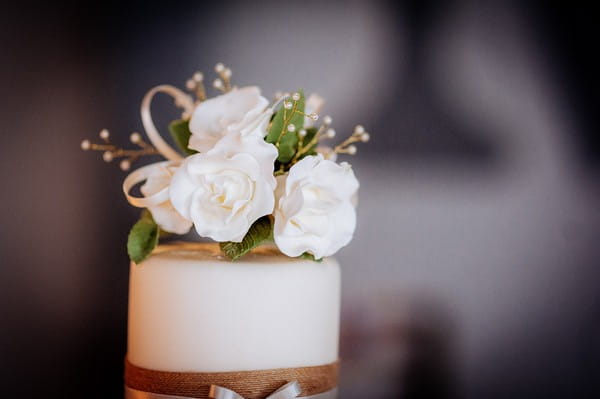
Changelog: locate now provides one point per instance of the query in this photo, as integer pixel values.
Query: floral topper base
(247, 171)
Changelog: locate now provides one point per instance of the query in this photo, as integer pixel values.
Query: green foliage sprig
(259, 232)
(142, 238)
(180, 131)
(288, 120)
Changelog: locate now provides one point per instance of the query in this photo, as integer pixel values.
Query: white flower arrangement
(248, 172)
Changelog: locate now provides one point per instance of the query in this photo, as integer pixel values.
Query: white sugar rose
(239, 110)
(164, 214)
(226, 189)
(315, 211)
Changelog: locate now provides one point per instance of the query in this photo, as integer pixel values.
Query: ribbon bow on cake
(288, 391)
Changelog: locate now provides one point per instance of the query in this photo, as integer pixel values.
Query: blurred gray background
(474, 272)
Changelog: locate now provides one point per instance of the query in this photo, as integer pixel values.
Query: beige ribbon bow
(288, 391)
(182, 100)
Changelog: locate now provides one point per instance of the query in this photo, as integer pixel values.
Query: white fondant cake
(193, 310)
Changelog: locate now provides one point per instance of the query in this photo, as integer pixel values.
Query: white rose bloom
(315, 211)
(226, 189)
(252, 142)
(164, 214)
(238, 110)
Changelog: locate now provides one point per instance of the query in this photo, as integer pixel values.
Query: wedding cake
(256, 313)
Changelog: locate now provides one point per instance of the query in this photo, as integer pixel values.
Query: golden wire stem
(227, 84)
(304, 149)
(102, 147)
(302, 113)
(143, 144)
(120, 152)
(200, 92)
(300, 140)
(112, 152)
(342, 148)
(225, 76)
(286, 122)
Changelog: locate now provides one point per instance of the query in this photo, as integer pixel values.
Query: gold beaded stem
(304, 149)
(121, 152)
(286, 121)
(223, 82)
(301, 135)
(196, 85)
(345, 147)
(111, 151)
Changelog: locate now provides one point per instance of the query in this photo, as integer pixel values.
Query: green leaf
(142, 239)
(287, 142)
(309, 256)
(180, 131)
(287, 148)
(259, 232)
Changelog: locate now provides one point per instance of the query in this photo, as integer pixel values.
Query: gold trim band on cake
(255, 384)
(131, 393)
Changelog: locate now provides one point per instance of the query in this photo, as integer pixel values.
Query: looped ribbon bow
(173, 157)
(287, 391)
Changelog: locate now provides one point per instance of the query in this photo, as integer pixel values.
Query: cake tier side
(190, 310)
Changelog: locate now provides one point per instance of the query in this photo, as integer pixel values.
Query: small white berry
(330, 133)
(351, 149)
(291, 128)
(227, 73)
(125, 164)
(365, 137)
(359, 129)
(288, 105)
(218, 83)
(327, 120)
(86, 145)
(107, 156)
(296, 96)
(302, 133)
(219, 67)
(190, 84)
(314, 116)
(198, 77)
(135, 137)
(104, 134)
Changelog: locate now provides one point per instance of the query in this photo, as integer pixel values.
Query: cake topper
(247, 172)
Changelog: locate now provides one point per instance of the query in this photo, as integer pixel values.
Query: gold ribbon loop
(138, 176)
(182, 100)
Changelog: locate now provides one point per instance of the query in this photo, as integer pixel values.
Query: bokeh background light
(474, 272)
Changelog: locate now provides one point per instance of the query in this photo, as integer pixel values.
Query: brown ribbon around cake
(256, 384)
